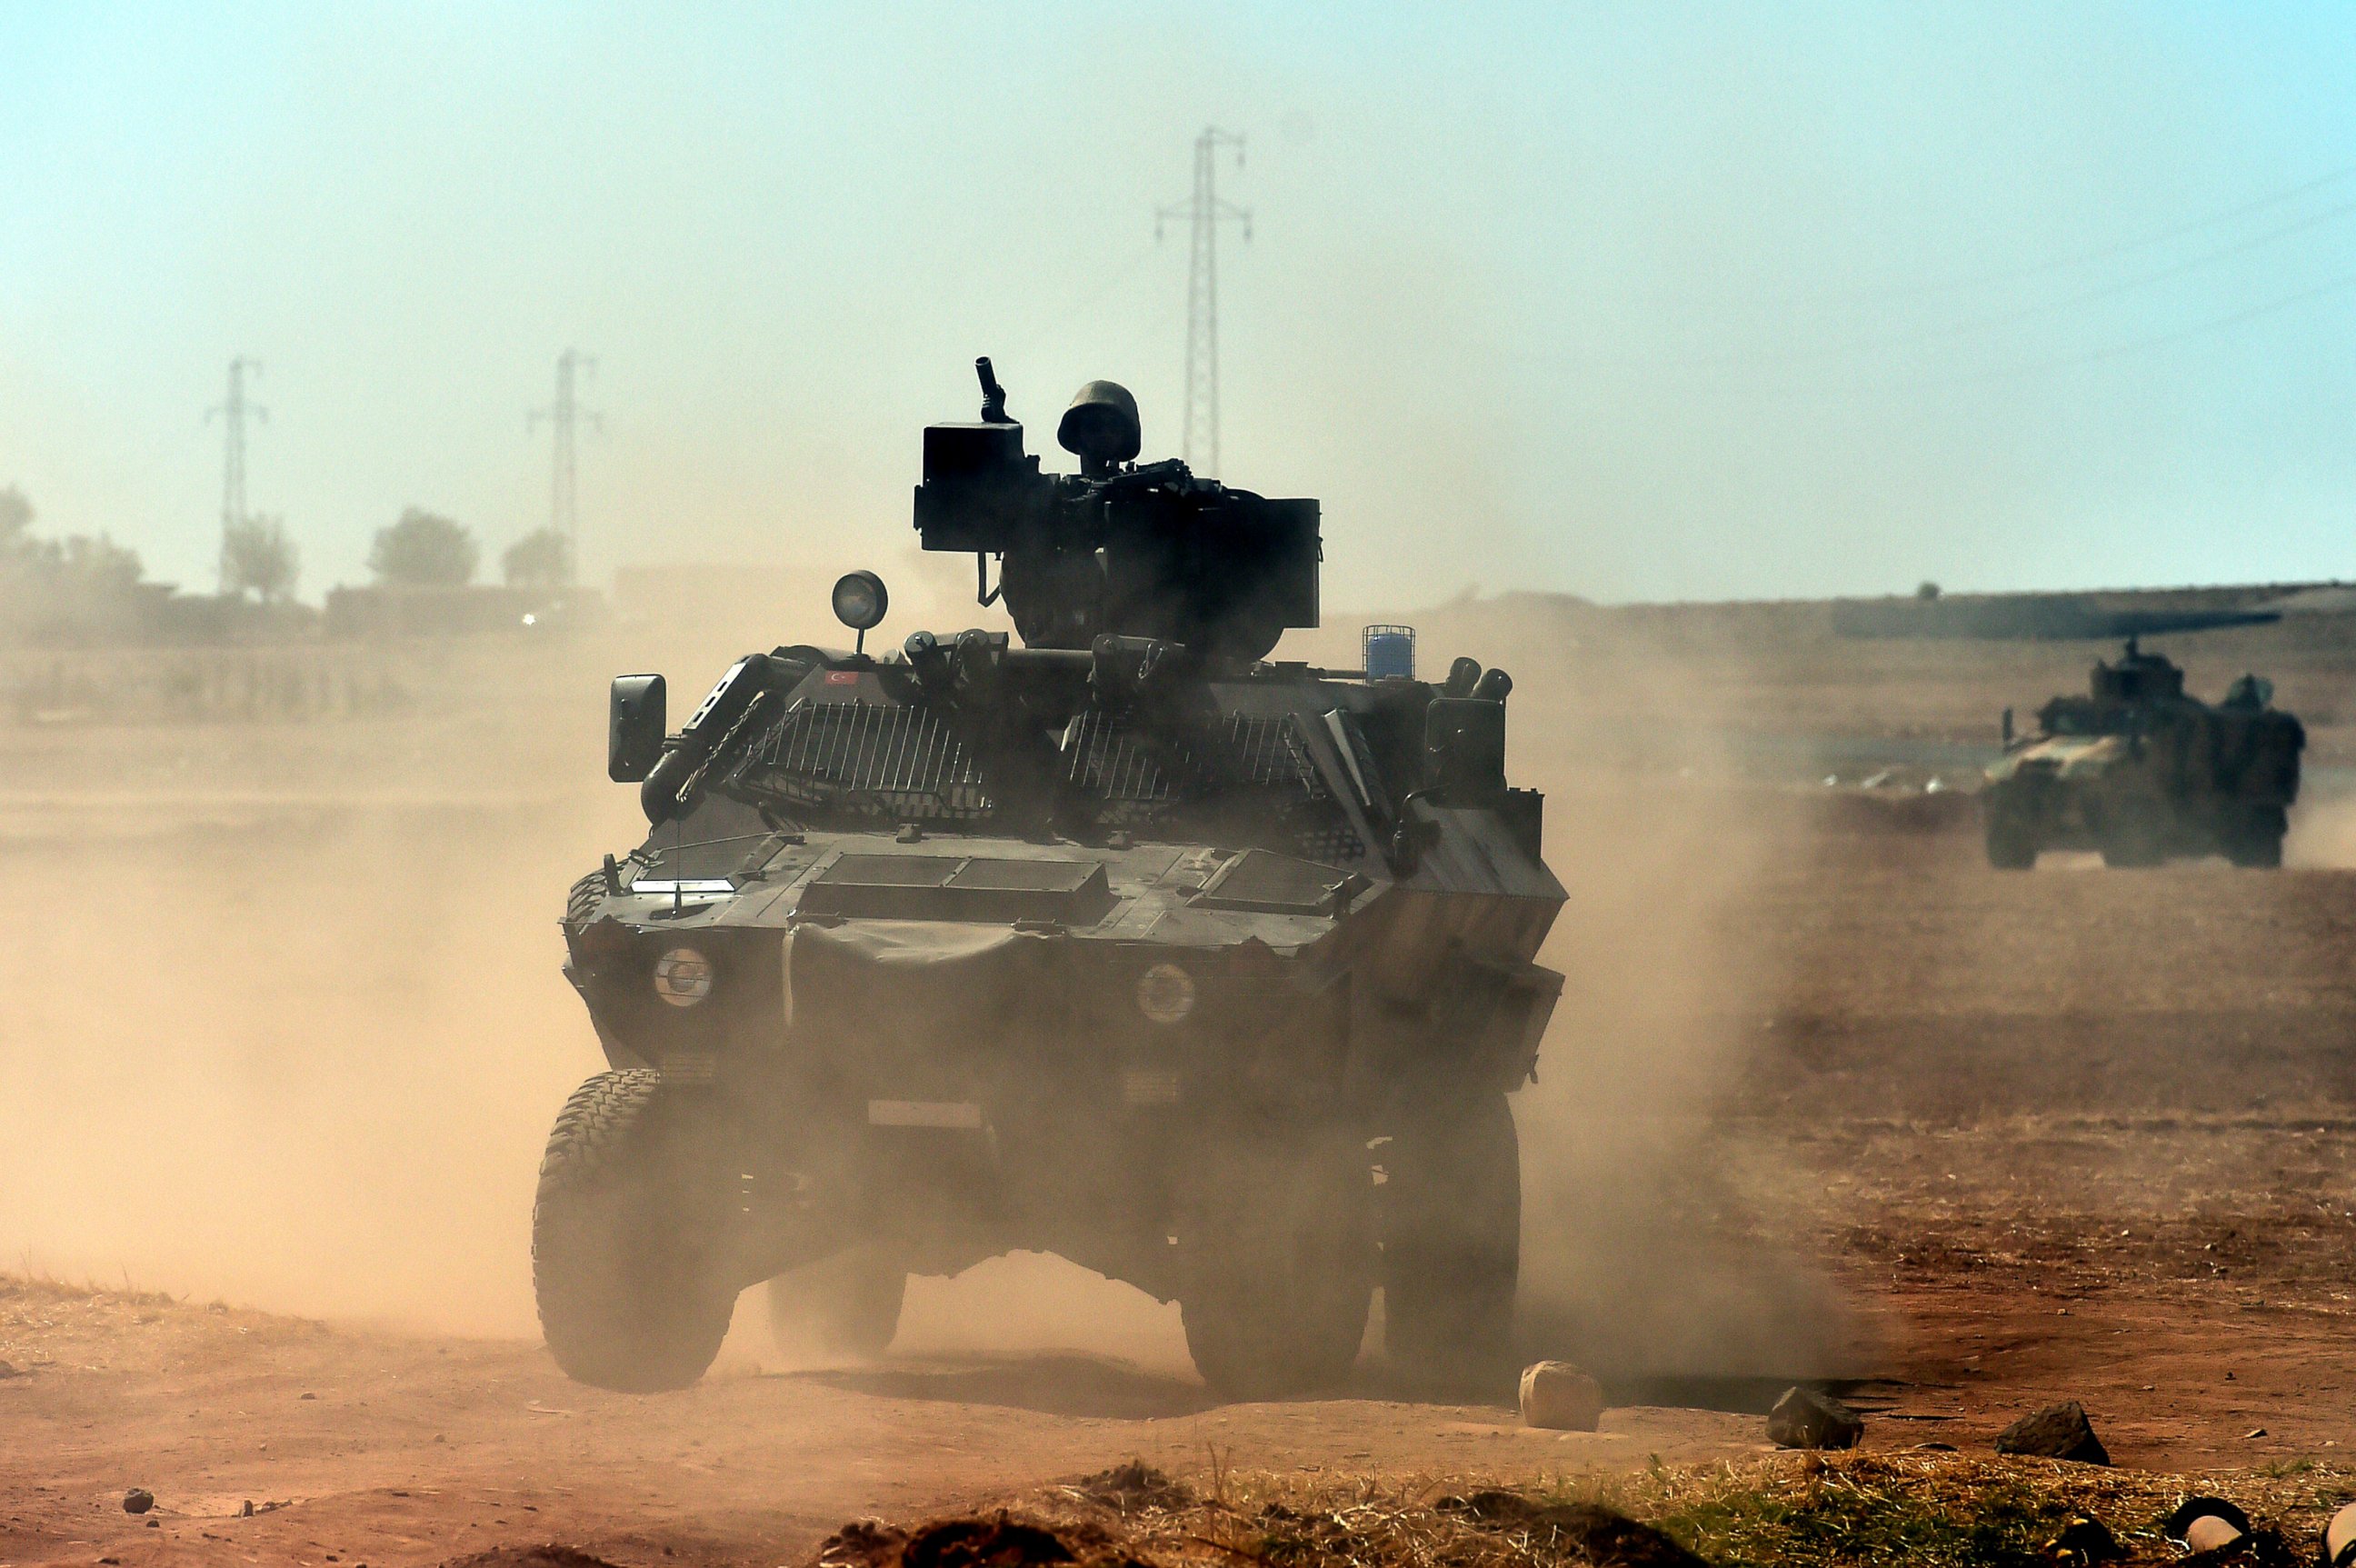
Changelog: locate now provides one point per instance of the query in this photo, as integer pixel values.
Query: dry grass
(39, 1284)
(1928, 1508)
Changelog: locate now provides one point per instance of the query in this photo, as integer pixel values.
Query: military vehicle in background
(1210, 974)
(2141, 772)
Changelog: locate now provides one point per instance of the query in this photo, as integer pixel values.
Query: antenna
(562, 414)
(232, 410)
(1203, 213)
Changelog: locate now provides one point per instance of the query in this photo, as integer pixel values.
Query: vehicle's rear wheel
(2132, 835)
(846, 1305)
(627, 1238)
(2254, 836)
(1452, 1251)
(1277, 1259)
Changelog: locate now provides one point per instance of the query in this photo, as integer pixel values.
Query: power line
(2144, 241)
(563, 413)
(2095, 356)
(1080, 315)
(2175, 270)
(1202, 212)
(1975, 326)
(233, 410)
(2339, 285)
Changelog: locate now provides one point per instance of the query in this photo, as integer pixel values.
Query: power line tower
(1203, 213)
(562, 415)
(233, 410)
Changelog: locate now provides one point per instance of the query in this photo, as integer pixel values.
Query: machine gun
(1121, 548)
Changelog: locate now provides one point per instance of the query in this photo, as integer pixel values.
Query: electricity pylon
(562, 414)
(233, 410)
(1203, 213)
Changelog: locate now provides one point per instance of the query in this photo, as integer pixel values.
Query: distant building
(385, 611)
(786, 595)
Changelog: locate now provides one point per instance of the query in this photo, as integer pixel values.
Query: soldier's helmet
(1101, 427)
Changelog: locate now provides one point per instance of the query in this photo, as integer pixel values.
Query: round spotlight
(860, 600)
(1166, 994)
(683, 977)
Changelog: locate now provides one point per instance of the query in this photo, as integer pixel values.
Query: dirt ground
(1826, 1097)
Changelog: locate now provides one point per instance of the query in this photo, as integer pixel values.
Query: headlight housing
(1166, 994)
(683, 977)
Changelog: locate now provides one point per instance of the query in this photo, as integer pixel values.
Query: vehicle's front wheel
(628, 1237)
(848, 1305)
(2254, 837)
(1277, 1258)
(2011, 838)
(1453, 1245)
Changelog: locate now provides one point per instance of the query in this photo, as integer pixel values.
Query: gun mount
(1121, 548)
(2138, 677)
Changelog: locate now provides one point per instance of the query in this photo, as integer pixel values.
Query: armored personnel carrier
(1120, 942)
(2141, 772)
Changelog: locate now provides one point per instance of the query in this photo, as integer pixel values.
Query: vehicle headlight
(683, 977)
(1166, 994)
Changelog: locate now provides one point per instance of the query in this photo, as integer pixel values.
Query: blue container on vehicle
(1390, 652)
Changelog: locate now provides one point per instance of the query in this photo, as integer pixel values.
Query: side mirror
(635, 727)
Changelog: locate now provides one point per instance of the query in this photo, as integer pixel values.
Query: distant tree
(93, 566)
(542, 560)
(81, 590)
(258, 558)
(1926, 591)
(424, 550)
(16, 517)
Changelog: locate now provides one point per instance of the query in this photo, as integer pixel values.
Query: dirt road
(280, 1024)
(356, 1446)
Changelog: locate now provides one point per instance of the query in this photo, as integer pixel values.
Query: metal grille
(901, 764)
(1142, 778)
(895, 762)
(1329, 840)
(1111, 763)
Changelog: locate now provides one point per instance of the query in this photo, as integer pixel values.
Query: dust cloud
(1653, 1243)
(2322, 834)
(284, 1021)
(1659, 1239)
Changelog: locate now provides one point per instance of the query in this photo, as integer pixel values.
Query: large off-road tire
(2012, 843)
(2131, 836)
(848, 1305)
(2253, 837)
(1452, 1246)
(1277, 1258)
(627, 1237)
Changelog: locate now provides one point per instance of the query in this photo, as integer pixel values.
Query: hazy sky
(1635, 301)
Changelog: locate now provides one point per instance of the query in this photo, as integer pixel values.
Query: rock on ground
(1804, 1418)
(1560, 1396)
(2057, 1432)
